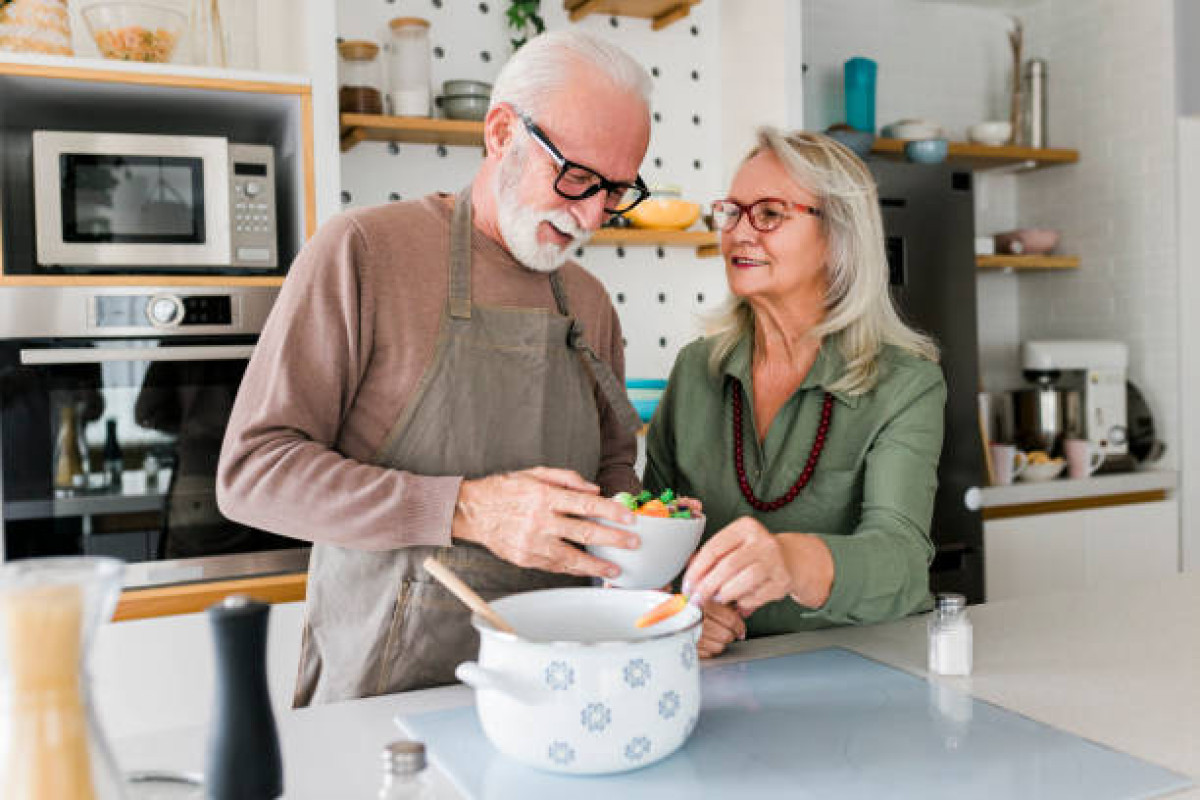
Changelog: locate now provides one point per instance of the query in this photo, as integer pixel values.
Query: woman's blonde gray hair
(858, 303)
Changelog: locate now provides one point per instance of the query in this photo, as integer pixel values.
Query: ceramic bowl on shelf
(465, 106)
(457, 88)
(926, 151)
(1027, 241)
(135, 31)
(664, 210)
(1044, 471)
(914, 129)
(993, 133)
(859, 142)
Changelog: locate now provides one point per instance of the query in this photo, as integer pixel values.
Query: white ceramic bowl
(666, 545)
(993, 133)
(914, 129)
(1046, 471)
(581, 689)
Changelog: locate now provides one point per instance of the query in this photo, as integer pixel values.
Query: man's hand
(528, 518)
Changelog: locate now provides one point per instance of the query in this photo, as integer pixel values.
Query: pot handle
(480, 678)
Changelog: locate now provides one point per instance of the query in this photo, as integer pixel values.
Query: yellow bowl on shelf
(664, 214)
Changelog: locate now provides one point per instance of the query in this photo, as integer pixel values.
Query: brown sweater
(340, 357)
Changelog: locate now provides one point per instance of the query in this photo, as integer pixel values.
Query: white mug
(1082, 457)
(1007, 463)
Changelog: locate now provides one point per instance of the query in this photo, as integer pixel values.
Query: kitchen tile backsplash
(658, 292)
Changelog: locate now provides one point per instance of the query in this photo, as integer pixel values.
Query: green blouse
(870, 498)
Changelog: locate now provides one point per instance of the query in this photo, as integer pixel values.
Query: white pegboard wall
(658, 292)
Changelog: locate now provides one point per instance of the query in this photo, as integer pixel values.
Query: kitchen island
(1120, 667)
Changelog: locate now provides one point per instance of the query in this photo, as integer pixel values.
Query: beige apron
(508, 389)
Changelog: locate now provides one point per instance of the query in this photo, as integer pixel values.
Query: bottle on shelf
(404, 776)
(70, 455)
(114, 462)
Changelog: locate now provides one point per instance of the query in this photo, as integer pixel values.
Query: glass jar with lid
(360, 78)
(409, 67)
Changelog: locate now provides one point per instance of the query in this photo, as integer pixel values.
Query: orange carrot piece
(664, 610)
(654, 508)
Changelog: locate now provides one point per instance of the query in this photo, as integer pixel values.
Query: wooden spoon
(470, 599)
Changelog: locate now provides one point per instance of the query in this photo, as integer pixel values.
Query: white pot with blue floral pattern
(581, 689)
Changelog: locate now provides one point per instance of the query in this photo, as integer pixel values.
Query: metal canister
(1037, 123)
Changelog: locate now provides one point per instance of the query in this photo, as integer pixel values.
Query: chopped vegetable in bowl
(646, 504)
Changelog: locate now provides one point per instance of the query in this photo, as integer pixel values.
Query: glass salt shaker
(404, 776)
(950, 637)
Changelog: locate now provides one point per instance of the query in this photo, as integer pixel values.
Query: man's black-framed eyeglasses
(765, 215)
(577, 182)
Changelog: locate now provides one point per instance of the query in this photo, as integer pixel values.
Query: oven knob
(164, 311)
(252, 189)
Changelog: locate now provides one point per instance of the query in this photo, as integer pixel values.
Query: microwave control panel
(253, 212)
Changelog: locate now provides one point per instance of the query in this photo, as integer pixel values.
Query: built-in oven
(113, 407)
(139, 203)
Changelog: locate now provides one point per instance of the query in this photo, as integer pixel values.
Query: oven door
(131, 201)
(111, 447)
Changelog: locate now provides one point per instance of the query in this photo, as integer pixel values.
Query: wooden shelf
(1027, 262)
(705, 242)
(983, 156)
(661, 13)
(357, 128)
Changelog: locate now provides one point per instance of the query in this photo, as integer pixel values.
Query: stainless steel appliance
(928, 218)
(140, 203)
(1094, 372)
(163, 366)
(1044, 416)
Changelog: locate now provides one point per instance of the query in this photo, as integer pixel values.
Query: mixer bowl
(1042, 416)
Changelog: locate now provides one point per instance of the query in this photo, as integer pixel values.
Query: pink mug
(1007, 463)
(1082, 457)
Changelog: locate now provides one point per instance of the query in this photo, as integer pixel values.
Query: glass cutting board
(828, 723)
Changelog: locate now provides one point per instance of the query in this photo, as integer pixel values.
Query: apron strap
(460, 256)
(610, 388)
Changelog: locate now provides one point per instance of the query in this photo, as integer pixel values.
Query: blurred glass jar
(409, 67)
(360, 78)
(36, 26)
(225, 33)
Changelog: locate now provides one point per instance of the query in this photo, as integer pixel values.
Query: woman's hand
(746, 566)
(722, 625)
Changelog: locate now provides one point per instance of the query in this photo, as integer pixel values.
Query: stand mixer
(1080, 393)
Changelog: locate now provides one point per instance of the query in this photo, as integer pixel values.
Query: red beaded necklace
(805, 474)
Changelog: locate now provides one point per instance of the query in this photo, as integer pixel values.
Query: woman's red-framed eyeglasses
(765, 215)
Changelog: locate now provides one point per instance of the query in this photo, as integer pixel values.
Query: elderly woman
(810, 422)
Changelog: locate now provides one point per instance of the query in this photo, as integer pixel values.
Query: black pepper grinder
(243, 745)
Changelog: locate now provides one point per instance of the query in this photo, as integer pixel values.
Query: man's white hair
(546, 63)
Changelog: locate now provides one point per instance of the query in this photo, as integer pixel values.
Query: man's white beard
(519, 223)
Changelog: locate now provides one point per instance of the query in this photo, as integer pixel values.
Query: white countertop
(1023, 492)
(1123, 671)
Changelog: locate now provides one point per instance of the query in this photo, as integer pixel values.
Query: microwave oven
(149, 203)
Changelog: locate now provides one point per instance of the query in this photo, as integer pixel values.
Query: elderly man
(438, 379)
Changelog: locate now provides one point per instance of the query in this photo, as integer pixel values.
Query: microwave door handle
(105, 355)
